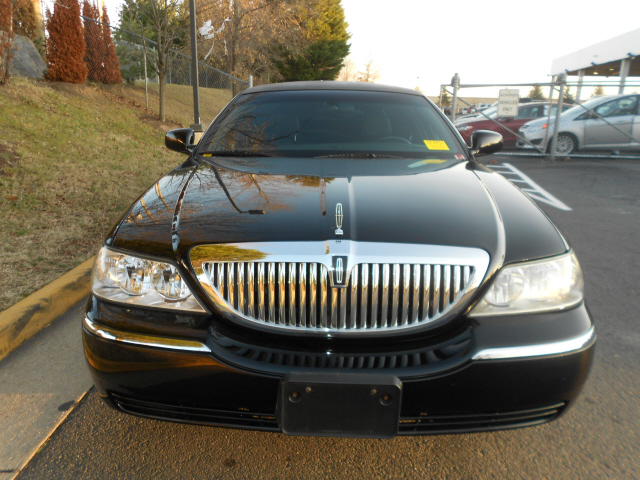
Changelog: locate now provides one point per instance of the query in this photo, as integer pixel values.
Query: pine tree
(536, 93)
(323, 58)
(598, 91)
(65, 46)
(568, 97)
(111, 72)
(95, 52)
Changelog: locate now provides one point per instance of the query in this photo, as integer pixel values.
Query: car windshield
(332, 123)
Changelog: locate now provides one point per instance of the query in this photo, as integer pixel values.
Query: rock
(26, 61)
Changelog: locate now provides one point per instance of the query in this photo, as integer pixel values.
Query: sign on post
(508, 102)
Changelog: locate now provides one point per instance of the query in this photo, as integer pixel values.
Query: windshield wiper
(359, 155)
(238, 153)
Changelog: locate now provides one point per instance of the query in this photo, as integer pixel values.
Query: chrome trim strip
(145, 340)
(556, 348)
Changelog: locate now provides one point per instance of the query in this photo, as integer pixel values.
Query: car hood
(282, 200)
(295, 200)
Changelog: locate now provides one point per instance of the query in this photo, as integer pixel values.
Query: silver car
(601, 123)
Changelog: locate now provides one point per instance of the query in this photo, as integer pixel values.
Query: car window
(617, 107)
(525, 112)
(313, 123)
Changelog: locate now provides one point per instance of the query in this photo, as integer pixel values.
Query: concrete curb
(30, 315)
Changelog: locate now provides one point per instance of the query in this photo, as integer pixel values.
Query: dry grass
(179, 100)
(72, 159)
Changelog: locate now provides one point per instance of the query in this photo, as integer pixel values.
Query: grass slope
(72, 159)
(179, 100)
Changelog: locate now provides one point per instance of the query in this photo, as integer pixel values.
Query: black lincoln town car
(332, 260)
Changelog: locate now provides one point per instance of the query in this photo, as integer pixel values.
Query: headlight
(464, 128)
(536, 286)
(137, 281)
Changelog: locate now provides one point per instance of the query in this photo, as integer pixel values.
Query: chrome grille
(377, 296)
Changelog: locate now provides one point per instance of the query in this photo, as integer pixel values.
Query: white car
(601, 123)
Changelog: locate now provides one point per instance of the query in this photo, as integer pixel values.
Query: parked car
(601, 123)
(332, 260)
(507, 126)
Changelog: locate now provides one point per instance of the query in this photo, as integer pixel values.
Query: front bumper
(519, 371)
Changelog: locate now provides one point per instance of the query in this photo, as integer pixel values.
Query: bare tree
(348, 72)
(370, 73)
(248, 32)
(168, 22)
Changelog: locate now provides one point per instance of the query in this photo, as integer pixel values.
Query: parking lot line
(535, 191)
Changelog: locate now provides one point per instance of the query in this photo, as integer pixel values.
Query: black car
(332, 260)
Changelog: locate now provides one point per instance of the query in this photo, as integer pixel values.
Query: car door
(612, 124)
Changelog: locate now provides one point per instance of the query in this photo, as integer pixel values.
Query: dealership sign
(508, 102)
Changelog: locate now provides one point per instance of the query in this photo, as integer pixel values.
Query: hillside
(72, 159)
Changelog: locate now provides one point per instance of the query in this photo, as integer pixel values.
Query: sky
(424, 43)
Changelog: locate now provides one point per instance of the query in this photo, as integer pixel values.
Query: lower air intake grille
(420, 424)
(425, 424)
(190, 414)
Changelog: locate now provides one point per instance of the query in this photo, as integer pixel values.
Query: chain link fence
(138, 57)
(556, 119)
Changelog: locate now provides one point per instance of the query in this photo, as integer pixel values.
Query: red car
(503, 125)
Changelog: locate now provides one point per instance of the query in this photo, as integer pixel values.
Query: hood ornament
(339, 217)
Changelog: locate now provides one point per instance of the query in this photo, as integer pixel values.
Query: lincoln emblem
(339, 271)
(339, 219)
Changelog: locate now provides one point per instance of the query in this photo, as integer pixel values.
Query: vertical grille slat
(395, 291)
(364, 294)
(377, 296)
(231, 282)
(292, 294)
(261, 291)
(240, 286)
(384, 311)
(302, 294)
(250, 290)
(426, 290)
(220, 278)
(353, 309)
(271, 292)
(436, 291)
(456, 282)
(333, 312)
(313, 294)
(282, 277)
(323, 298)
(406, 283)
(375, 283)
(446, 284)
(342, 322)
(415, 294)
(466, 276)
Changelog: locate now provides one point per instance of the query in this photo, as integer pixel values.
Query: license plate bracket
(339, 404)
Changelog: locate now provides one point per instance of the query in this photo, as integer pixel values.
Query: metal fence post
(562, 81)
(455, 83)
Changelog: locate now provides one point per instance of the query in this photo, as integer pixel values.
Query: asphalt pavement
(598, 438)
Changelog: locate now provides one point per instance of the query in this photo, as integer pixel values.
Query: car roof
(330, 85)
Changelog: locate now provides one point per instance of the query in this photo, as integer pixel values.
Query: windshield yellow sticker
(436, 145)
(206, 154)
(425, 162)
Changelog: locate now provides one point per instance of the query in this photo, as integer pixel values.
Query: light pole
(196, 126)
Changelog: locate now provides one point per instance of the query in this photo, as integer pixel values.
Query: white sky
(491, 41)
(421, 42)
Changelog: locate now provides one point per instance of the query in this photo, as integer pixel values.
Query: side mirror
(180, 140)
(484, 142)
